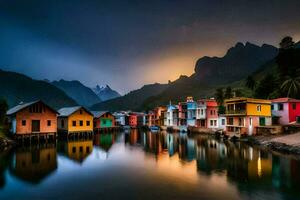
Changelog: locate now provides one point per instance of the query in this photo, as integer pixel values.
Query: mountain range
(105, 92)
(76, 90)
(16, 88)
(210, 73)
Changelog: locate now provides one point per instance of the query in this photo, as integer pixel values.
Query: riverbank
(289, 144)
(5, 142)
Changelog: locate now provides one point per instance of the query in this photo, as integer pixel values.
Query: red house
(212, 113)
(132, 120)
(285, 110)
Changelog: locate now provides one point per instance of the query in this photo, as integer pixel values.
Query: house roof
(283, 100)
(67, 111)
(99, 113)
(247, 100)
(22, 106)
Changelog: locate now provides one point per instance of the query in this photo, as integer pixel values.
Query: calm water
(140, 165)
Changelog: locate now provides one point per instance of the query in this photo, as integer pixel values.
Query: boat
(154, 129)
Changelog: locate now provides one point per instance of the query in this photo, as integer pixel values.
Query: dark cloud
(129, 43)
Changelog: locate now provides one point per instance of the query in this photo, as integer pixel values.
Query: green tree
(267, 87)
(291, 87)
(238, 93)
(250, 83)
(3, 109)
(221, 109)
(219, 95)
(228, 93)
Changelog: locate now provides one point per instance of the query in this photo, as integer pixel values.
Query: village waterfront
(146, 165)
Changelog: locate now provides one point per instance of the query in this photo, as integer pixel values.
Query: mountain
(105, 93)
(239, 61)
(17, 87)
(210, 73)
(81, 94)
(133, 100)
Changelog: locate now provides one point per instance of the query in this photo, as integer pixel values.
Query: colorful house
(191, 111)
(182, 113)
(131, 120)
(150, 119)
(285, 110)
(159, 115)
(222, 122)
(32, 118)
(243, 115)
(201, 113)
(75, 120)
(103, 119)
(212, 113)
(119, 118)
(172, 115)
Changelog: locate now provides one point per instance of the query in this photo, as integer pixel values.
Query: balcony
(235, 112)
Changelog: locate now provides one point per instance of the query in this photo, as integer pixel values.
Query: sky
(127, 44)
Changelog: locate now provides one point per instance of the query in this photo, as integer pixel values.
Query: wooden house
(103, 120)
(75, 120)
(33, 118)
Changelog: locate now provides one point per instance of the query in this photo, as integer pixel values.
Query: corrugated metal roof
(98, 113)
(67, 111)
(20, 107)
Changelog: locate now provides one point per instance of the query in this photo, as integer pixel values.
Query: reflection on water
(142, 165)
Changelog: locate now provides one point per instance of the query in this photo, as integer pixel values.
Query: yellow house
(75, 120)
(243, 115)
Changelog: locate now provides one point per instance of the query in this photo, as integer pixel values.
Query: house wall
(133, 120)
(283, 114)
(65, 123)
(47, 114)
(293, 113)
(105, 121)
(222, 126)
(251, 109)
(76, 116)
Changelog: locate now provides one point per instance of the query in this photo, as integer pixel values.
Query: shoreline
(287, 144)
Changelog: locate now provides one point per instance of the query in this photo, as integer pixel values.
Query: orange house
(32, 118)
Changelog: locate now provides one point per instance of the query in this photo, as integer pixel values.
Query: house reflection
(105, 141)
(33, 164)
(76, 150)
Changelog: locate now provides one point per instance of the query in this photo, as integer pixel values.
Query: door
(35, 125)
(262, 121)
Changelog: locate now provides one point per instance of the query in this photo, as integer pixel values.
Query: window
(201, 111)
(230, 121)
(80, 149)
(74, 149)
(211, 112)
(80, 123)
(215, 122)
(23, 122)
(294, 106)
(272, 107)
(280, 106)
(250, 121)
(223, 122)
(258, 108)
(80, 111)
(48, 122)
(62, 123)
(73, 123)
(103, 121)
(87, 123)
(211, 122)
(88, 149)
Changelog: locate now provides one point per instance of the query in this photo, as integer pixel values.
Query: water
(141, 165)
